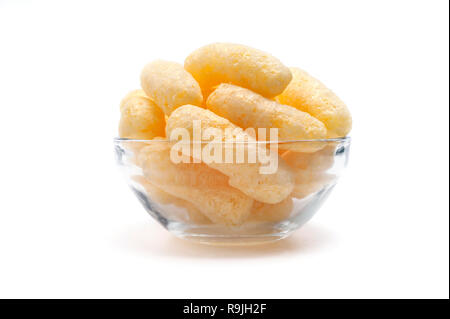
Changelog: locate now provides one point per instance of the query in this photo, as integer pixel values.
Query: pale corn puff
(310, 170)
(262, 212)
(130, 94)
(238, 64)
(161, 197)
(207, 189)
(267, 188)
(308, 182)
(321, 160)
(140, 118)
(169, 85)
(310, 95)
(248, 109)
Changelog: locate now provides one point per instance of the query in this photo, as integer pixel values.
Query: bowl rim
(323, 140)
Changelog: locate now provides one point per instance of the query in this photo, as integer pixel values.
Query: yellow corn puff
(270, 188)
(163, 198)
(169, 85)
(133, 93)
(262, 212)
(238, 64)
(140, 118)
(204, 187)
(310, 95)
(308, 182)
(317, 161)
(250, 110)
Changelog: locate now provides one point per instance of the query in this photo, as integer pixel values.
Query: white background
(69, 225)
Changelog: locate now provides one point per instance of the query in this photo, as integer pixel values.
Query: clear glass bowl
(233, 202)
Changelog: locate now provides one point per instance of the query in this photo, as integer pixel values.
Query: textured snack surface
(312, 170)
(140, 118)
(267, 188)
(269, 213)
(251, 110)
(310, 95)
(194, 215)
(198, 184)
(318, 161)
(238, 64)
(131, 94)
(170, 85)
(308, 182)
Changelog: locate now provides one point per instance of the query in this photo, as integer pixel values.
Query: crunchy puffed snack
(233, 146)
(308, 182)
(317, 161)
(130, 94)
(140, 117)
(238, 64)
(250, 110)
(262, 212)
(196, 183)
(161, 197)
(169, 85)
(310, 95)
(267, 188)
(311, 169)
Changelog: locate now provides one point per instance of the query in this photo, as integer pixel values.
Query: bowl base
(250, 234)
(231, 240)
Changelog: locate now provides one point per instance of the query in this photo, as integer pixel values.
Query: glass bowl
(232, 199)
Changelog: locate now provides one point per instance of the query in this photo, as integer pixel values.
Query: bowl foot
(232, 240)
